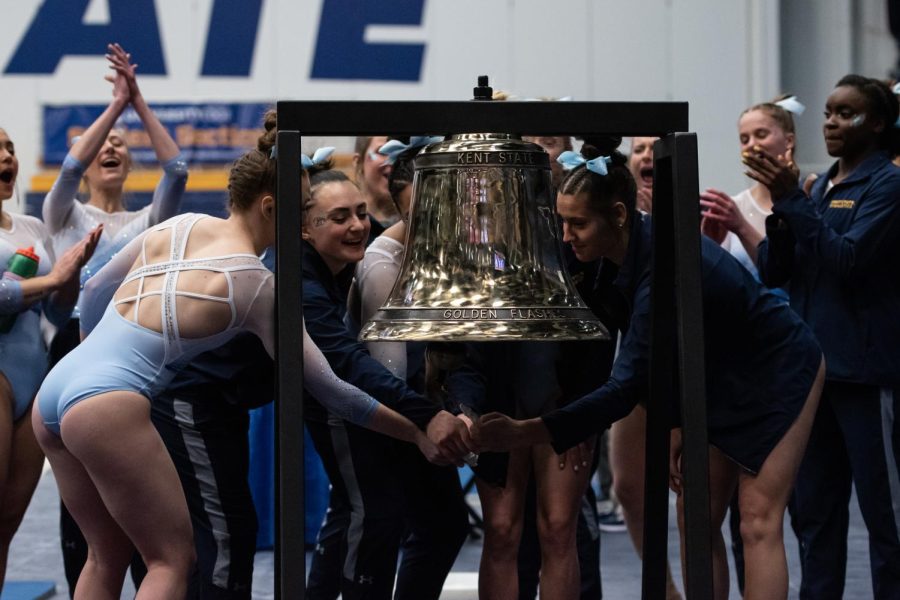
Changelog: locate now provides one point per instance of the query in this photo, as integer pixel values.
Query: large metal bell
(483, 253)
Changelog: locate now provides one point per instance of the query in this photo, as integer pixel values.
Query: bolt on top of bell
(484, 258)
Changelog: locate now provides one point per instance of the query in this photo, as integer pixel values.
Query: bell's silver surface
(483, 255)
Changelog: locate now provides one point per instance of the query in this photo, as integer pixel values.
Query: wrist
(743, 229)
(54, 281)
(138, 102)
(418, 437)
(782, 193)
(119, 103)
(535, 431)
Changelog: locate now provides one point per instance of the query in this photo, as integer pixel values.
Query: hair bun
(326, 165)
(266, 141)
(600, 145)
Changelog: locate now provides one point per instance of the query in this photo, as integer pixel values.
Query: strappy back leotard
(122, 354)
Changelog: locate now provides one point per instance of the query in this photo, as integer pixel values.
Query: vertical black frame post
(677, 331)
(290, 557)
(676, 156)
(692, 365)
(662, 381)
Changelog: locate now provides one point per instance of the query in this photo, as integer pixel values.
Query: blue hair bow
(318, 157)
(792, 105)
(394, 148)
(570, 160)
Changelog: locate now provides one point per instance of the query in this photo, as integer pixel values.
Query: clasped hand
(451, 436)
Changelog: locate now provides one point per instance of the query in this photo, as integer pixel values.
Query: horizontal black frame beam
(352, 118)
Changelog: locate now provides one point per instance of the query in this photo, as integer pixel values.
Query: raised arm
(88, 144)
(169, 191)
(849, 255)
(60, 201)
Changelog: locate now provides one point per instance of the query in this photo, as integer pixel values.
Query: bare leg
(6, 442)
(723, 477)
(109, 549)
(559, 493)
(763, 499)
(23, 470)
(112, 436)
(627, 438)
(498, 577)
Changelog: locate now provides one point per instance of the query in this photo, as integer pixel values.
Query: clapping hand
(780, 174)
(721, 208)
(125, 77)
(713, 229)
(68, 266)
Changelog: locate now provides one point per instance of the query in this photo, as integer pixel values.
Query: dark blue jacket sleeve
(849, 255)
(775, 253)
(615, 400)
(350, 361)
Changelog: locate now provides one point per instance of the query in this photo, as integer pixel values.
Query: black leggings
(207, 440)
(394, 495)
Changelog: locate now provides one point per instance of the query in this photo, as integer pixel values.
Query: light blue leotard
(23, 354)
(119, 354)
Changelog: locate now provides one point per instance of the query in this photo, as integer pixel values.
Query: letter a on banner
(59, 30)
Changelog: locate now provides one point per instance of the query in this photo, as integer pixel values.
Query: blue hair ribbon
(319, 156)
(571, 159)
(394, 148)
(792, 105)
